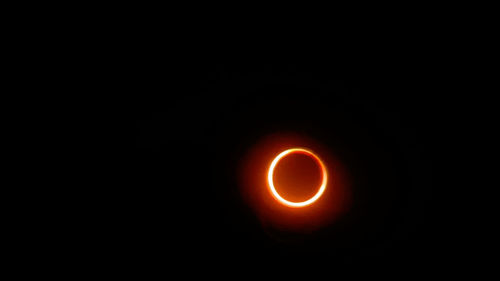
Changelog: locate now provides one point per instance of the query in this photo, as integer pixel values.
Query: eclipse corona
(272, 188)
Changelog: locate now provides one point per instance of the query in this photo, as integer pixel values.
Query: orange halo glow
(273, 189)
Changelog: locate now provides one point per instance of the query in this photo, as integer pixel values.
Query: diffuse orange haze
(293, 183)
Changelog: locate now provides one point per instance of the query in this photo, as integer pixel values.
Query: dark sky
(191, 120)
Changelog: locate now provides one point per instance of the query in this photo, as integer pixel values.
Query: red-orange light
(314, 183)
(282, 200)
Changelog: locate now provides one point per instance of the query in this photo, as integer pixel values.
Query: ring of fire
(283, 200)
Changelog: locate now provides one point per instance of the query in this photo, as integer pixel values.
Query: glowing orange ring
(273, 189)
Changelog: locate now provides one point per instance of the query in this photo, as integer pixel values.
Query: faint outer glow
(273, 189)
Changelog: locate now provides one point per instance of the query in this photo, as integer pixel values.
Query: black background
(190, 118)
